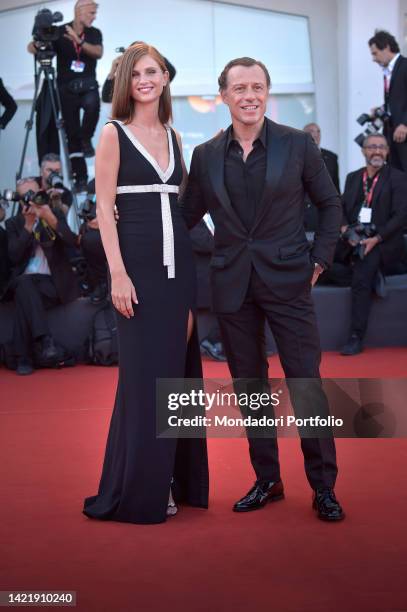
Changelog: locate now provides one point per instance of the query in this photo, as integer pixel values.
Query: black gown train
(157, 255)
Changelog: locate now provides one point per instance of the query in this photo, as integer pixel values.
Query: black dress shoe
(327, 506)
(48, 349)
(353, 346)
(87, 148)
(24, 366)
(259, 496)
(213, 350)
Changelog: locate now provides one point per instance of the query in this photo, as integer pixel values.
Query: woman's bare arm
(106, 171)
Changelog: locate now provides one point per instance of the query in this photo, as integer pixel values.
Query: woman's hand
(123, 294)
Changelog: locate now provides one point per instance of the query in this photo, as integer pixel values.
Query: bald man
(78, 48)
(330, 158)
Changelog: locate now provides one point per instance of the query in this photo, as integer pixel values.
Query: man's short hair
(367, 138)
(383, 39)
(241, 61)
(50, 157)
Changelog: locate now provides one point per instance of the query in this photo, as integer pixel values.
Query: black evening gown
(138, 466)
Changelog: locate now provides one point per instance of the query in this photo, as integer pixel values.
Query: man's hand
(29, 218)
(400, 133)
(44, 212)
(72, 35)
(369, 244)
(318, 270)
(93, 224)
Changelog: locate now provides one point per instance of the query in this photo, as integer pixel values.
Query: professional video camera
(374, 124)
(45, 33)
(357, 232)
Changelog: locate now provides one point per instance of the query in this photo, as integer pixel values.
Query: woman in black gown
(139, 167)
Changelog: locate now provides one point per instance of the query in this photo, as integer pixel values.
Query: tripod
(44, 59)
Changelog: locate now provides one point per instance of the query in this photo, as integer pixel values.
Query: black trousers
(294, 328)
(93, 251)
(398, 151)
(33, 295)
(361, 277)
(72, 104)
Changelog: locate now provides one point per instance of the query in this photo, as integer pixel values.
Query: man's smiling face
(246, 94)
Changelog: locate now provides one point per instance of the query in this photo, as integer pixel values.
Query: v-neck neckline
(163, 174)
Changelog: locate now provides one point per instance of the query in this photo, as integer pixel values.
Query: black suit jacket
(9, 104)
(331, 162)
(202, 245)
(398, 93)
(21, 246)
(276, 245)
(389, 208)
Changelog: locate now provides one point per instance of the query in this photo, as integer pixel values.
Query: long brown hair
(123, 104)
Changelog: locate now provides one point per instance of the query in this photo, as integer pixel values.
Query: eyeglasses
(374, 147)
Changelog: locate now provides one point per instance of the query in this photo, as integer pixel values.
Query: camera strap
(368, 191)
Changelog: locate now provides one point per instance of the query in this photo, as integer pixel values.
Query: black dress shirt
(244, 180)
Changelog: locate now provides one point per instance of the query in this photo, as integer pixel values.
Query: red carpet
(53, 430)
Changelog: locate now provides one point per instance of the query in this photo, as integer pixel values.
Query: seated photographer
(374, 213)
(4, 260)
(108, 85)
(92, 249)
(41, 275)
(51, 181)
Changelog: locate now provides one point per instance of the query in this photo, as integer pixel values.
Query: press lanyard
(369, 192)
(77, 47)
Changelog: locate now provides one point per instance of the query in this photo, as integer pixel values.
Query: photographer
(385, 51)
(10, 107)
(4, 260)
(92, 248)
(374, 213)
(51, 181)
(41, 275)
(77, 48)
(108, 85)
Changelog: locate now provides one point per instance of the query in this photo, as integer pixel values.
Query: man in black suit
(374, 194)
(330, 158)
(386, 52)
(41, 275)
(252, 178)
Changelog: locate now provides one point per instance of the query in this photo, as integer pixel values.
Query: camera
(44, 30)
(374, 124)
(40, 197)
(55, 180)
(88, 212)
(357, 232)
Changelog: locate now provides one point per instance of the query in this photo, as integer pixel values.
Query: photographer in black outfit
(41, 275)
(107, 89)
(78, 48)
(386, 52)
(92, 248)
(374, 213)
(9, 104)
(51, 180)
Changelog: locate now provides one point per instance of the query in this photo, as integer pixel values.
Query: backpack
(102, 346)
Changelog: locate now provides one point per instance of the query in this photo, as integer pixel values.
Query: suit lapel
(216, 165)
(394, 73)
(354, 200)
(278, 150)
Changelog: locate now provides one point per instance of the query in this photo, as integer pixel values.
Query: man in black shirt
(9, 104)
(78, 48)
(252, 179)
